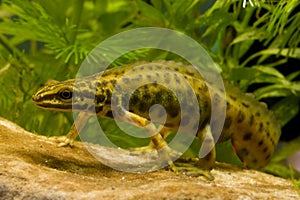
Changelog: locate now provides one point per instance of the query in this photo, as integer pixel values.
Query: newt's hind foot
(142, 150)
(191, 167)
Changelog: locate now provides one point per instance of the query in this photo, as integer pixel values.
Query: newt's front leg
(157, 141)
(68, 140)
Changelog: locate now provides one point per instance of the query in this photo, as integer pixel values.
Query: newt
(252, 128)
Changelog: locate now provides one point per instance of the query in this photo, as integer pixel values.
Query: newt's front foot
(152, 150)
(62, 141)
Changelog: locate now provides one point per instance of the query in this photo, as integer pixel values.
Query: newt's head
(55, 95)
(88, 94)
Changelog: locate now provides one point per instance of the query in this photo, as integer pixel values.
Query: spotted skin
(252, 128)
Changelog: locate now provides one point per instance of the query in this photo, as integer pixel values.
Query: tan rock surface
(32, 167)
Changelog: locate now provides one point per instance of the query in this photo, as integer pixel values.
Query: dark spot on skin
(247, 136)
(261, 126)
(125, 100)
(245, 105)
(115, 100)
(146, 88)
(82, 107)
(98, 109)
(167, 77)
(204, 106)
(113, 81)
(134, 99)
(241, 116)
(137, 78)
(257, 114)
(177, 79)
(190, 73)
(260, 143)
(142, 107)
(149, 77)
(158, 67)
(169, 97)
(157, 74)
(100, 98)
(268, 134)
(155, 141)
(228, 106)
(265, 149)
(104, 83)
(273, 142)
(232, 97)
(158, 97)
(146, 96)
(109, 114)
(108, 92)
(227, 123)
(172, 110)
(88, 94)
(254, 161)
(83, 85)
(251, 121)
(134, 69)
(268, 157)
(216, 99)
(244, 152)
(185, 120)
(125, 80)
(99, 85)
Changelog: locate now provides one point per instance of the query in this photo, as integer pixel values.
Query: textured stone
(32, 167)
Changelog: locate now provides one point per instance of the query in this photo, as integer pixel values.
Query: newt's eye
(65, 94)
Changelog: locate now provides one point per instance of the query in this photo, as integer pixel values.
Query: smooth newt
(252, 128)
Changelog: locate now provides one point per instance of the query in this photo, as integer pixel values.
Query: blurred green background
(256, 46)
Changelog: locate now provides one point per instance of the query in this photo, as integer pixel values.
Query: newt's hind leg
(200, 166)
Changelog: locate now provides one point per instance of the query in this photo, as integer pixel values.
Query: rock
(33, 167)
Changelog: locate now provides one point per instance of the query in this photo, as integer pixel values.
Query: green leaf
(257, 74)
(293, 75)
(276, 90)
(251, 34)
(269, 71)
(275, 51)
(286, 109)
(280, 169)
(150, 16)
(287, 150)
